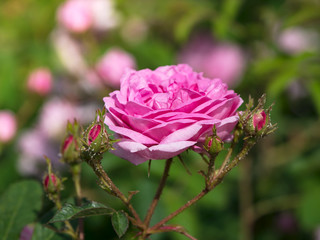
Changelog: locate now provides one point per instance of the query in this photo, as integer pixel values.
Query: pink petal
(136, 136)
(169, 150)
(182, 134)
(138, 154)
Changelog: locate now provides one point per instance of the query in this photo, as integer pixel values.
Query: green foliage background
(281, 177)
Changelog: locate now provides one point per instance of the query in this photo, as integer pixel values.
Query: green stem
(105, 179)
(217, 179)
(181, 209)
(76, 176)
(158, 193)
(70, 231)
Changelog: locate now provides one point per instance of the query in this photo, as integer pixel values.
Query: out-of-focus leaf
(222, 24)
(308, 210)
(70, 211)
(18, 207)
(307, 14)
(120, 223)
(40, 232)
(185, 25)
(280, 82)
(314, 89)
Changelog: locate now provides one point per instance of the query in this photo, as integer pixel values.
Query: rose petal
(122, 149)
(133, 135)
(182, 134)
(169, 150)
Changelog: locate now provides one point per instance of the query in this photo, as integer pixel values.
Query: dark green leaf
(309, 213)
(120, 223)
(18, 207)
(70, 211)
(42, 233)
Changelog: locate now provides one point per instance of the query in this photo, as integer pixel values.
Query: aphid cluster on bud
(95, 140)
(256, 122)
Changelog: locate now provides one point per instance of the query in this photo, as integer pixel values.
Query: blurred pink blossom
(40, 81)
(80, 15)
(113, 64)
(104, 15)
(216, 60)
(296, 40)
(54, 117)
(26, 233)
(68, 48)
(8, 125)
(33, 145)
(75, 15)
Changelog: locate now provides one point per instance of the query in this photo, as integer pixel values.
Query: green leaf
(18, 207)
(314, 88)
(309, 213)
(42, 233)
(70, 211)
(120, 223)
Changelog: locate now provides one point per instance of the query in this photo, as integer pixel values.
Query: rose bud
(213, 145)
(51, 184)
(258, 123)
(259, 120)
(70, 149)
(96, 140)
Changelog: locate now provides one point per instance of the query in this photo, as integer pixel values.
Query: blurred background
(58, 59)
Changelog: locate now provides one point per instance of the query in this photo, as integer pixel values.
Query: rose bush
(159, 114)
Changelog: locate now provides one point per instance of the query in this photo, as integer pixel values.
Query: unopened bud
(70, 150)
(96, 140)
(213, 145)
(258, 123)
(51, 183)
(259, 120)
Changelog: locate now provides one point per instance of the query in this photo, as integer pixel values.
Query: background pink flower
(40, 81)
(75, 15)
(216, 60)
(159, 114)
(296, 40)
(80, 15)
(8, 125)
(113, 64)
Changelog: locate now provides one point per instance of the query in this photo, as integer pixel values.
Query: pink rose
(159, 114)
(40, 81)
(113, 65)
(75, 15)
(8, 126)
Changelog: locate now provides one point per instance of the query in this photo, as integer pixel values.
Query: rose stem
(218, 178)
(76, 175)
(158, 193)
(97, 168)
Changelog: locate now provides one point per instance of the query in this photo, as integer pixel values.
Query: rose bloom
(216, 60)
(159, 114)
(40, 81)
(8, 125)
(113, 65)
